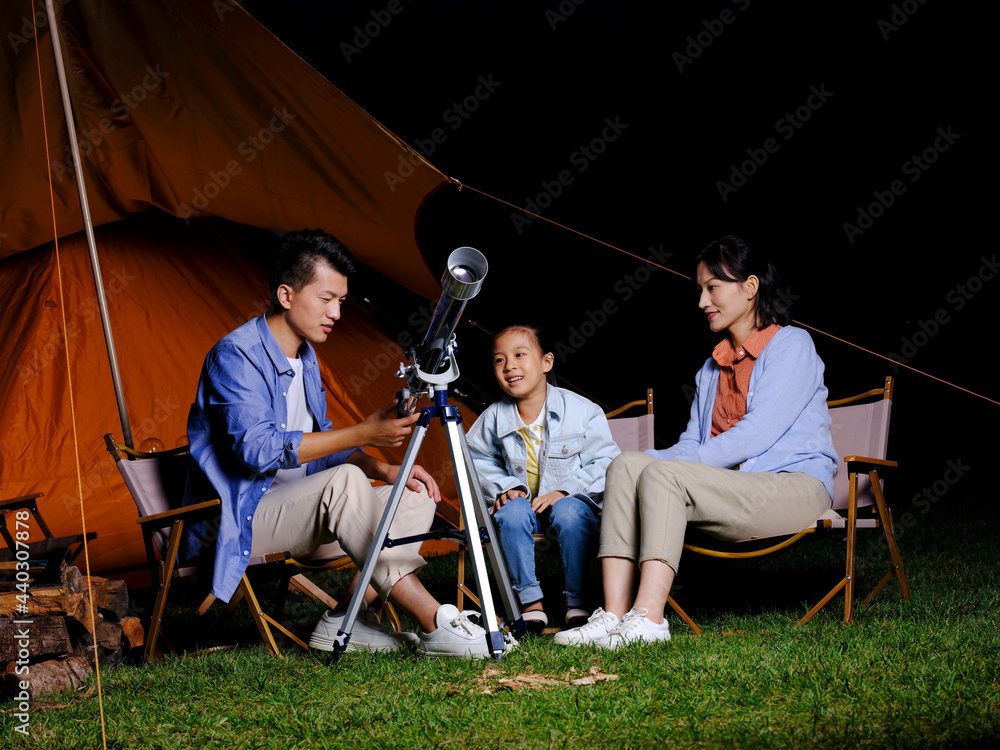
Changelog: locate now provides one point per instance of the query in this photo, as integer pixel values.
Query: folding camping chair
(860, 435)
(156, 482)
(46, 557)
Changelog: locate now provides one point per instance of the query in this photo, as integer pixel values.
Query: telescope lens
(464, 273)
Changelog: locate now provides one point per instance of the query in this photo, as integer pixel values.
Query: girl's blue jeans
(571, 521)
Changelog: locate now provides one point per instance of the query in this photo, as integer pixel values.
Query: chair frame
(47, 557)
(164, 568)
(857, 467)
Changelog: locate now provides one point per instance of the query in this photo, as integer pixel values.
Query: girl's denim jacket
(577, 451)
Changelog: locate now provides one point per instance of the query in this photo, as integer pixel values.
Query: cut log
(47, 636)
(133, 632)
(72, 579)
(51, 636)
(52, 600)
(46, 677)
(108, 595)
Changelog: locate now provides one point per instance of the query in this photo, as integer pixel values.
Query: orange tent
(191, 109)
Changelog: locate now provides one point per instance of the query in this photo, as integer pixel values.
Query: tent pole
(88, 225)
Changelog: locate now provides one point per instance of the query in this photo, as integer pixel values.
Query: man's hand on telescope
(380, 429)
(384, 430)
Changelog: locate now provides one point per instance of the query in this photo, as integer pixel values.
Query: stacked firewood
(52, 636)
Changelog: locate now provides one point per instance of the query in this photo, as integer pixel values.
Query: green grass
(920, 674)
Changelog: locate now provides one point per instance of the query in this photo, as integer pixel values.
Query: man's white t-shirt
(300, 417)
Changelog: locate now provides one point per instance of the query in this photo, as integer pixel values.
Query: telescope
(433, 363)
(432, 366)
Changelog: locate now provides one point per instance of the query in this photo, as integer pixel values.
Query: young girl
(756, 459)
(541, 454)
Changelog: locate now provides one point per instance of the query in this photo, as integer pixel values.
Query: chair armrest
(621, 409)
(16, 503)
(870, 463)
(23, 502)
(159, 520)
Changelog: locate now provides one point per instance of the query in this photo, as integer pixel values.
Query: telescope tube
(462, 279)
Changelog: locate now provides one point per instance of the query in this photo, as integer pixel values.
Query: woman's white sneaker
(596, 631)
(636, 627)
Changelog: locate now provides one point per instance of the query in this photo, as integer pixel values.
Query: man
(260, 437)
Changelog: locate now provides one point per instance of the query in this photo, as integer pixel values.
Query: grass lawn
(920, 674)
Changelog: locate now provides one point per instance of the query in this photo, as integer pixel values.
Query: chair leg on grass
(890, 537)
(683, 615)
(261, 620)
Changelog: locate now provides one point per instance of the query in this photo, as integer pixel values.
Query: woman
(756, 459)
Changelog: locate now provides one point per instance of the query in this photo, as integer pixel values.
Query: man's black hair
(294, 260)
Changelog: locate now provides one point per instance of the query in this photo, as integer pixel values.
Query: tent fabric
(188, 108)
(194, 108)
(172, 293)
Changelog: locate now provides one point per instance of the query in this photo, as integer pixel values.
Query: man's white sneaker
(366, 635)
(636, 627)
(455, 635)
(597, 631)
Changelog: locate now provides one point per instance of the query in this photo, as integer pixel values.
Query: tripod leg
(344, 636)
(494, 639)
(485, 521)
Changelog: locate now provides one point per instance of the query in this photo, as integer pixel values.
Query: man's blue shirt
(236, 428)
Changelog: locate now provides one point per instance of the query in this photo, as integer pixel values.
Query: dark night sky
(833, 100)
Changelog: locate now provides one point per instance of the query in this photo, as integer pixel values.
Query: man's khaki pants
(337, 511)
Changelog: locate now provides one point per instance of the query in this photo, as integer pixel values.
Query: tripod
(473, 509)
